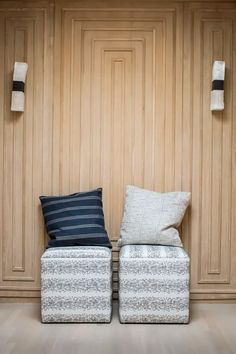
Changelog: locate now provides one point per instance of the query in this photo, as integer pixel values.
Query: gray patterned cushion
(76, 284)
(152, 218)
(153, 284)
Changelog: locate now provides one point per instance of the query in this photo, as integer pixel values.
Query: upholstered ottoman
(76, 284)
(153, 284)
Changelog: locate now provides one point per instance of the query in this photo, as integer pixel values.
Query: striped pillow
(75, 220)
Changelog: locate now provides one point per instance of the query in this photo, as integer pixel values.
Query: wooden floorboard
(212, 330)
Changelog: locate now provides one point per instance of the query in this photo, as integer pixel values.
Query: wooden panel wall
(119, 84)
(130, 105)
(25, 150)
(210, 35)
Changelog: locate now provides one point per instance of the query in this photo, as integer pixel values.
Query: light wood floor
(212, 331)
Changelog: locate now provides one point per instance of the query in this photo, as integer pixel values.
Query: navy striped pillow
(75, 220)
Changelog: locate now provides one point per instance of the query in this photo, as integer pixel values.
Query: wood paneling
(131, 101)
(25, 147)
(212, 141)
(118, 104)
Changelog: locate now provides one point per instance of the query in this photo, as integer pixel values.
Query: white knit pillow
(152, 218)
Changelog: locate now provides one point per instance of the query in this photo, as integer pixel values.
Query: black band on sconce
(18, 86)
(217, 85)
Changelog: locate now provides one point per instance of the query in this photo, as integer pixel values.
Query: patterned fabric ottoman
(76, 284)
(153, 284)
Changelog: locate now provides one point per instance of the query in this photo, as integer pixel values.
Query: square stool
(153, 284)
(76, 284)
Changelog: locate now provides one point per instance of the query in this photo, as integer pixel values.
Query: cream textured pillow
(152, 218)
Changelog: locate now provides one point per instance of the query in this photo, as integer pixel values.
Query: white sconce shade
(217, 93)
(18, 95)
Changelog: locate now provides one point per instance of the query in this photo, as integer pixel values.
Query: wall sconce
(18, 87)
(217, 93)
